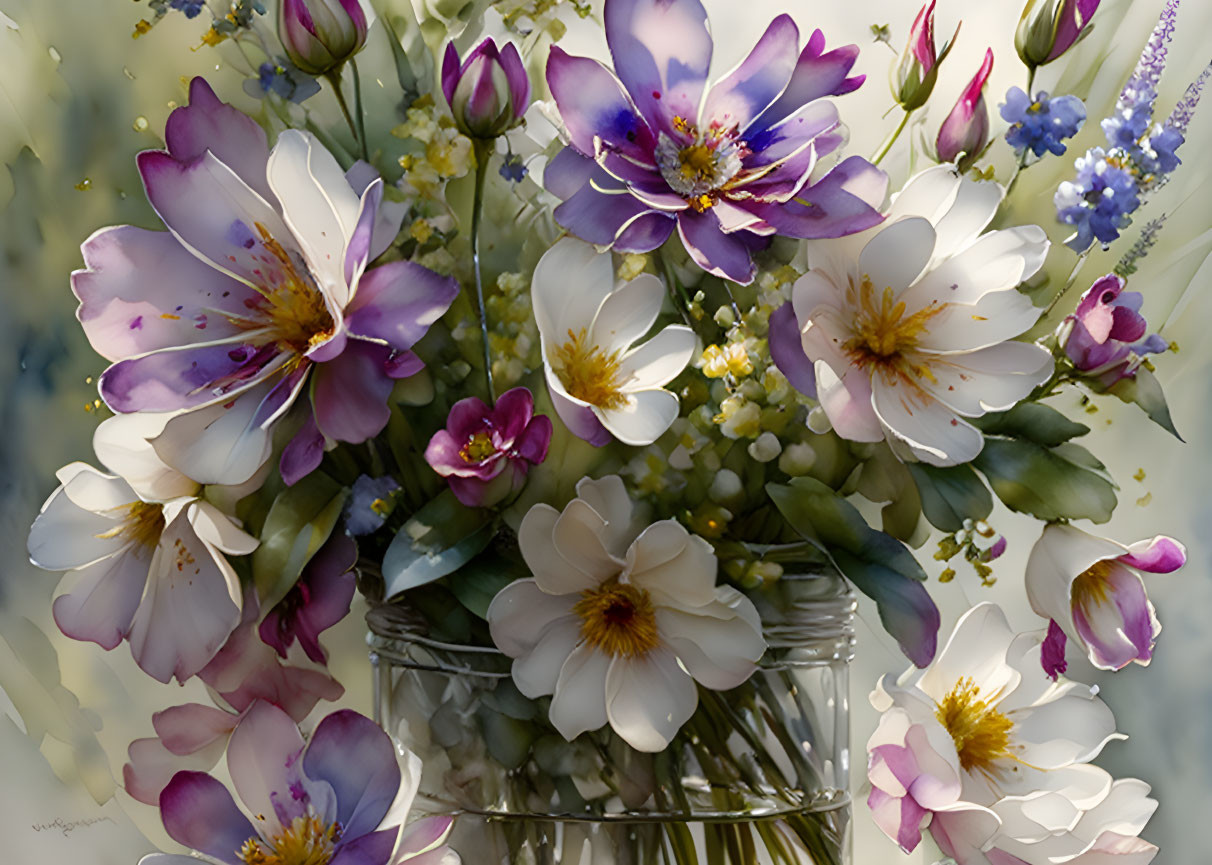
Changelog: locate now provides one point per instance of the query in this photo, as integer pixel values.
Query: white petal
(579, 704)
(896, 256)
(676, 567)
(520, 613)
(974, 206)
(933, 432)
(976, 650)
(122, 444)
(643, 419)
(1058, 557)
(100, 599)
(928, 194)
(219, 530)
(627, 313)
(847, 403)
(720, 653)
(553, 573)
(660, 360)
(649, 699)
(995, 318)
(996, 261)
(536, 672)
(608, 497)
(1071, 728)
(579, 538)
(989, 379)
(94, 491)
(570, 282)
(262, 757)
(66, 536)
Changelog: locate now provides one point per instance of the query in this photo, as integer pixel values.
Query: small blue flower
(1097, 202)
(370, 500)
(512, 168)
(282, 80)
(1041, 124)
(191, 8)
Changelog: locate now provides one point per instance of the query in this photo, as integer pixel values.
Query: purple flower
(341, 797)
(655, 149)
(965, 131)
(320, 35)
(1041, 124)
(485, 453)
(256, 301)
(489, 91)
(316, 602)
(191, 8)
(1107, 338)
(1097, 202)
(370, 501)
(918, 67)
(282, 80)
(1049, 28)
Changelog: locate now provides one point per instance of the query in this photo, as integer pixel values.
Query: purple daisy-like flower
(256, 299)
(484, 453)
(655, 149)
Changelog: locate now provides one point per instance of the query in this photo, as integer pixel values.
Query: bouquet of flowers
(606, 488)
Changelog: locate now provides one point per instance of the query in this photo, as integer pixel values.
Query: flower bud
(965, 132)
(320, 35)
(1049, 28)
(918, 68)
(489, 92)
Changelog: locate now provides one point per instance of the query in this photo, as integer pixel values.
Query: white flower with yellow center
(621, 620)
(601, 386)
(962, 745)
(911, 326)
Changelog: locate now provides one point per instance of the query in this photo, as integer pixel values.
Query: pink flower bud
(320, 35)
(918, 67)
(1049, 28)
(489, 92)
(965, 132)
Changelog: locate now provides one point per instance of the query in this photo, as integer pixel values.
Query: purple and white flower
(320, 35)
(484, 453)
(1106, 335)
(654, 148)
(489, 91)
(1091, 587)
(255, 299)
(1049, 28)
(340, 797)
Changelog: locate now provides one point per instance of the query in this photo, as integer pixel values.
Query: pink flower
(918, 68)
(1091, 587)
(489, 92)
(965, 132)
(485, 453)
(1106, 339)
(320, 35)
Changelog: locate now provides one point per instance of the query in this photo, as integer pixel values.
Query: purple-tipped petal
(662, 53)
(208, 123)
(357, 253)
(533, 443)
(579, 419)
(593, 105)
(519, 81)
(787, 351)
(199, 813)
(901, 819)
(103, 598)
(844, 201)
(187, 377)
(749, 89)
(817, 74)
(601, 217)
(356, 758)
(450, 73)
(262, 757)
(303, 453)
(965, 131)
(398, 302)
(1052, 652)
(349, 394)
(372, 849)
(1120, 627)
(421, 836)
(1074, 17)
(723, 254)
(1160, 555)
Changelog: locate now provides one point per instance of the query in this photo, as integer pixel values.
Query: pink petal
(1161, 555)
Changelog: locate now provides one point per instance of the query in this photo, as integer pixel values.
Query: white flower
(619, 623)
(910, 326)
(146, 555)
(600, 385)
(980, 724)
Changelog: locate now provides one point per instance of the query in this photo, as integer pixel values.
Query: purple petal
(1161, 555)
(1074, 17)
(262, 757)
(397, 302)
(579, 419)
(319, 600)
(645, 233)
(512, 413)
(600, 217)
(303, 453)
(450, 73)
(372, 849)
(357, 254)
(787, 351)
(443, 453)
(844, 201)
(817, 74)
(900, 819)
(1120, 629)
(519, 81)
(593, 105)
(186, 377)
(352, 754)
(966, 129)
(535, 439)
(723, 254)
(349, 394)
(1127, 325)
(567, 172)
(234, 138)
(467, 417)
(662, 52)
(102, 602)
(1052, 652)
(749, 89)
(199, 812)
(391, 213)
(142, 290)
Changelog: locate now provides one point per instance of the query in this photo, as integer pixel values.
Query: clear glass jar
(760, 773)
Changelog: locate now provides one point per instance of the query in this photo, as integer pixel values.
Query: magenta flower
(340, 798)
(316, 602)
(1107, 337)
(1049, 28)
(489, 92)
(256, 299)
(320, 35)
(965, 132)
(1091, 588)
(485, 453)
(654, 148)
(918, 68)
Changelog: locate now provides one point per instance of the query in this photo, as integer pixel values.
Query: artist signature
(69, 826)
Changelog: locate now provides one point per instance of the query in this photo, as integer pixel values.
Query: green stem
(1081, 259)
(892, 138)
(1030, 81)
(483, 151)
(334, 78)
(359, 113)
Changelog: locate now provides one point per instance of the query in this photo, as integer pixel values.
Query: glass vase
(758, 775)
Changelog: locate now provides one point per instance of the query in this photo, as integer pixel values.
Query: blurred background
(79, 98)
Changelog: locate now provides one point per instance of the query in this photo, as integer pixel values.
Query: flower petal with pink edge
(262, 757)
(1120, 627)
(579, 418)
(900, 818)
(846, 401)
(421, 836)
(103, 597)
(356, 758)
(756, 82)
(593, 105)
(150, 766)
(1160, 555)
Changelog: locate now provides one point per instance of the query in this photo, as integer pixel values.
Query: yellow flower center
(142, 524)
(1092, 586)
(981, 733)
(589, 373)
(306, 841)
(479, 447)
(883, 332)
(619, 620)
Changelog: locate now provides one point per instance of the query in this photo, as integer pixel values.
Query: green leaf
(507, 739)
(1145, 390)
(1064, 482)
(1032, 421)
(951, 495)
(477, 582)
(299, 521)
(437, 540)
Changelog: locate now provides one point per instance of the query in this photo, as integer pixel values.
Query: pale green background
(73, 90)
